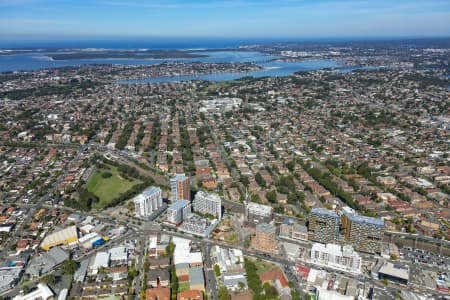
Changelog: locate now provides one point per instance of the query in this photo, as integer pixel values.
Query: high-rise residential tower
(148, 202)
(323, 225)
(208, 204)
(180, 187)
(364, 233)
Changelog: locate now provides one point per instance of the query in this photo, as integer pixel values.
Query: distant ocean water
(41, 60)
(153, 43)
(34, 60)
(196, 42)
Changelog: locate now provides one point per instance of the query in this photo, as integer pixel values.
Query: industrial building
(231, 264)
(45, 262)
(188, 264)
(10, 276)
(205, 203)
(80, 273)
(118, 256)
(66, 236)
(101, 260)
(364, 233)
(323, 225)
(178, 211)
(180, 187)
(148, 202)
(227, 259)
(394, 273)
(42, 292)
(183, 253)
(342, 258)
(91, 240)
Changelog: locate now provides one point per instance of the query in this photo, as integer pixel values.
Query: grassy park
(262, 266)
(107, 184)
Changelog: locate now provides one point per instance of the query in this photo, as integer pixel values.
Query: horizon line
(90, 37)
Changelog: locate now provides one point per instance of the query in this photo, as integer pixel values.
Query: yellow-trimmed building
(66, 236)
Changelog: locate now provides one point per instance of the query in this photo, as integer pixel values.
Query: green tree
(170, 248)
(295, 197)
(48, 279)
(260, 180)
(271, 196)
(106, 174)
(124, 136)
(173, 282)
(295, 295)
(254, 283)
(217, 270)
(290, 165)
(270, 291)
(132, 272)
(241, 286)
(244, 180)
(69, 266)
(25, 289)
(146, 265)
(223, 294)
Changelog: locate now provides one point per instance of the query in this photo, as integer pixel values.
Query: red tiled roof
(157, 294)
(273, 275)
(191, 294)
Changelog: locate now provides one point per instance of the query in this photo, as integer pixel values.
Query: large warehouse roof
(65, 236)
(183, 252)
(395, 270)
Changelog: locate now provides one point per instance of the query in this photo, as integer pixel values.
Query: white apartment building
(208, 204)
(178, 211)
(258, 213)
(342, 258)
(146, 203)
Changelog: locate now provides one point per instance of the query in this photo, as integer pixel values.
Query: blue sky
(220, 18)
